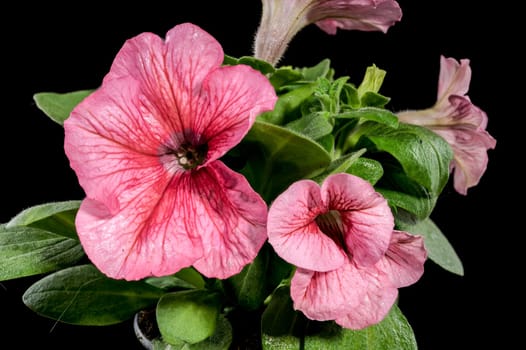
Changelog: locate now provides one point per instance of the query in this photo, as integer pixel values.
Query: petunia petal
(229, 216)
(367, 219)
(110, 145)
(470, 155)
(235, 95)
(454, 78)
(170, 74)
(144, 236)
(352, 296)
(404, 260)
(293, 232)
(365, 15)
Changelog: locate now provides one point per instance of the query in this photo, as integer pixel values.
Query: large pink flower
(145, 147)
(282, 20)
(350, 261)
(459, 122)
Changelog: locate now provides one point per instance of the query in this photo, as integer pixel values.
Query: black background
(62, 49)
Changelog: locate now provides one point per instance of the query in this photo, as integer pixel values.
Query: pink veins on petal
(145, 148)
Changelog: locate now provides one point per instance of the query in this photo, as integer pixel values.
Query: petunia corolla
(282, 20)
(459, 122)
(145, 148)
(350, 261)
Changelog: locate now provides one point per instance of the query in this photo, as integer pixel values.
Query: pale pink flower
(145, 147)
(350, 260)
(459, 122)
(281, 20)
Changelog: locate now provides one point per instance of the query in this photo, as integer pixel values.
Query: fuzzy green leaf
(249, 286)
(190, 316)
(82, 295)
(423, 155)
(220, 340)
(376, 114)
(274, 162)
(368, 169)
(187, 278)
(26, 251)
(438, 247)
(393, 333)
(313, 125)
(287, 104)
(58, 106)
(55, 217)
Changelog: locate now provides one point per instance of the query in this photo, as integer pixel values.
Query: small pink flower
(145, 147)
(350, 261)
(459, 122)
(282, 20)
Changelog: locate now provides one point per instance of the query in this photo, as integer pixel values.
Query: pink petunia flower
(350, 260)
(282, 20)
(459, 122)
(145, 147)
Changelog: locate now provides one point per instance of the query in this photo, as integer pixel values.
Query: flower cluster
(219, 187)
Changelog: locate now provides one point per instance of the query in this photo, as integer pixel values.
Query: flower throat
(190, 156)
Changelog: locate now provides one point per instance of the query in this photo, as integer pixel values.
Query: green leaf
(368, 169)
(220, 340)
(249, 286)
(190, 316)
(423, 155)
(279, 318)
(378, 115)
(55, 217)
(439, 249)
(392, 333)
(26, 251)
(82, 295)
(283, 76)
(287, 104)
(313, 125)
(419, 205)
(260, 65)
(284, 156)
(340, 165)
(58, 106)
(187, 278)
(373, 99)
(403, 192)
(321, 70)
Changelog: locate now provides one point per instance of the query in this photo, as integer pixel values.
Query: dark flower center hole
(190, 156)
(331, 224)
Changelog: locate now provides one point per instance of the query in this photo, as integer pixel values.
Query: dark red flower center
(331, 224)
(190, 156)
